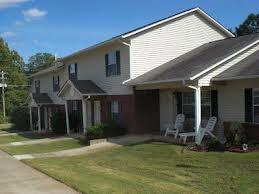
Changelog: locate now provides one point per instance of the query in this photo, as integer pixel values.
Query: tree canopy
(12, 64)
(39, 61)
(249, 26)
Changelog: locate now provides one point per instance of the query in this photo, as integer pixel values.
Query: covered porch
(81, 108)
(41, 108)
(197, 103)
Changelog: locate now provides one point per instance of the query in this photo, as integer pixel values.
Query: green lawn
(23, 137)
(7, 127)
(43, 148)
(155, 168)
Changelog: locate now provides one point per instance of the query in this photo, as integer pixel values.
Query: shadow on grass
(189, 166)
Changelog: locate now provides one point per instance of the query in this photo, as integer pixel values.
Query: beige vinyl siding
(231, 100)
(205, 81)
(91, 66)
(46, 84)
(169, 41)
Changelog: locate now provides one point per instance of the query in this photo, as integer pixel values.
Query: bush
(58, 123)
(108, 129)
(20, 117)
(2, 121)
(214, 145)
(235, 133)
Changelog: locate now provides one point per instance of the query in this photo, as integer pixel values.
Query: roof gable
(196, 61)
(134, 32)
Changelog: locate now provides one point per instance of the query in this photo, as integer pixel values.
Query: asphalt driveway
(16, 177)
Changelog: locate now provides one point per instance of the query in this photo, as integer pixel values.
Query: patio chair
(178, 126)
(203, 131)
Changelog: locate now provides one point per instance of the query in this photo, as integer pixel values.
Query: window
(56, 83)
(74, 105)
(116, 111)
(189, 104)
(112, 61)
(37, 86)
(206, 104)
(72, 71)
(256, 105)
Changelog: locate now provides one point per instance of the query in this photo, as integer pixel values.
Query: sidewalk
(110, 143)
(18, 178)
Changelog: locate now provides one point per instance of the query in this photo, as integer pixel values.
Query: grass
(155, 168)
(44, 147)
(22, 137)
(7, 127)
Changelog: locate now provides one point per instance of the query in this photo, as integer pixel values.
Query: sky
(62, 27)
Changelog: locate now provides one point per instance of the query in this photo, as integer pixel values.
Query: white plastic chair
(178, 126)
(203, 131)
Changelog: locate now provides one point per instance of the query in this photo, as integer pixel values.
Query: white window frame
(74, 105)
(193, 104)
(254, 105)
(112, 60)
(74, 68)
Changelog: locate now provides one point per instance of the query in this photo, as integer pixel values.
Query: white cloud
(19, 23)
(33, 13)
(8, 34)
(10, 3)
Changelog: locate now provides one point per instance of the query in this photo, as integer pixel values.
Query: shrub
(2, 120)
(20, 118)
(214, 145)
(107, 129)
(96, 132)
(235, 133)
(58, 123)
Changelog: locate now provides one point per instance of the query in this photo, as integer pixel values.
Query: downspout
(197, 90)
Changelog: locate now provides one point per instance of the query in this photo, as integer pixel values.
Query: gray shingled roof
(87, 87)
(247, 67)
(42, 98)
(196, 60)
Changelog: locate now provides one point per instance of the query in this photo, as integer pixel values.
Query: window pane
(188, 98)
(112, 58)
(72, 68)
(256, 114)
(205, 112)
(206, 97)
(112, 69)
(115, 107)
(188, 111)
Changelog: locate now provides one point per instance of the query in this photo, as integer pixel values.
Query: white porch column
(39, 120)
(67, 117)
(46, 118)
(31, 124)
(197, 113)
(84, 115)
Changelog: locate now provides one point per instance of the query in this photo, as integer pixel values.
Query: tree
(39, 61)
(12, 63)
(249, 26)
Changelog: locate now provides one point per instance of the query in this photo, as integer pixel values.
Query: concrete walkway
(110, 143)
(41, 141)
(15, 133)
(18, 178)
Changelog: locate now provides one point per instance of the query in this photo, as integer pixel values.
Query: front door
(97, 112)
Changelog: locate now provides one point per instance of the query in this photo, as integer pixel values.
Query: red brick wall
(140, 111)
